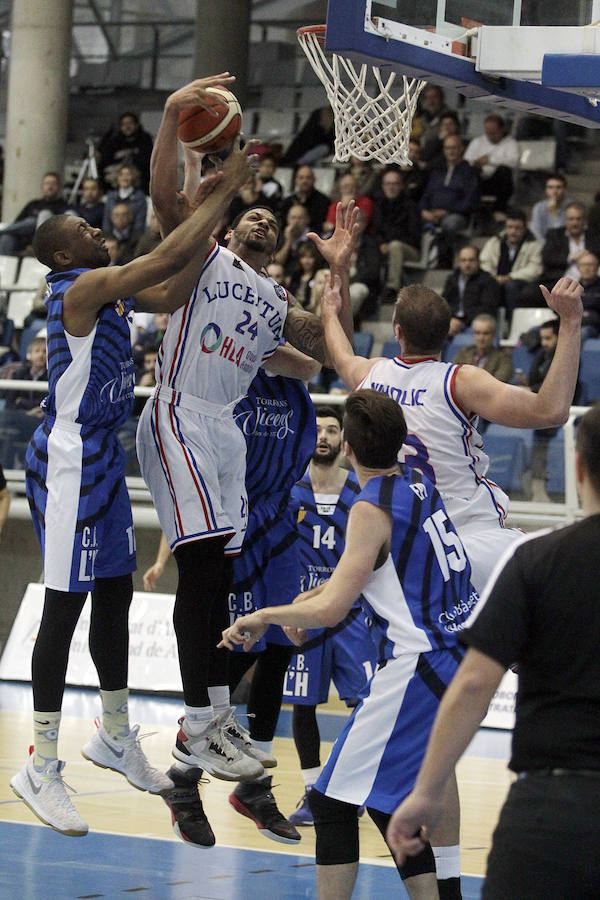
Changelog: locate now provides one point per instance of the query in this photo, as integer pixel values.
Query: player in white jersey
(441, 403)
(191, 453)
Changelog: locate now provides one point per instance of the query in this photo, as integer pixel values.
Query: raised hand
(565, 298)
(246, 630)
(337, 249)
(194, 93)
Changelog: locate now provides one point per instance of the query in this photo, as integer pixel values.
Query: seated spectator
(550, 212)
(130, 145)
(91, 205)
(250, 194)
(561, 251)
(307, 195)
(431, 107)
(346, 190)
(308, 261)
(396, 228)
(155, 332)
(271, 188)
(145, 376)
(22, 413)
(365, 274)
(276, 271)
(495, 155)
(150, 239)
(17, 236)
(514, 258)
(483, 353)
(122, 230)
(127, 191)
(432, 149)
(114, 250)
(594, 214)
(314, 140)
(294, 235)
(415, 174)
(470, 291)
(451, 195)
(589, 278)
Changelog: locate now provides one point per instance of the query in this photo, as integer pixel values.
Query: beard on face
(320, 456)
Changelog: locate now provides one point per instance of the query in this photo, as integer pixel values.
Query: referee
(542, 611)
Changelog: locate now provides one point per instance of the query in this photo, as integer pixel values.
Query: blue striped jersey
(421, 597)
(321, 529)
(277, 419)
(90, 378)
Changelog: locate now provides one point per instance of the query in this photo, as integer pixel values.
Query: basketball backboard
(535, 56)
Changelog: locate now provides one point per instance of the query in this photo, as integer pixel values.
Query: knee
(336, 827)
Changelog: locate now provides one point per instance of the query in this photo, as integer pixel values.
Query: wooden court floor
(112, 807)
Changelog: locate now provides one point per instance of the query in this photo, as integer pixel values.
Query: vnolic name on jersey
(409, 397)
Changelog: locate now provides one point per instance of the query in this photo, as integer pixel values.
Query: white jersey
(231, 324)
(443, 442)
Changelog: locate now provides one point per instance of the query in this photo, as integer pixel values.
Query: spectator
(294, 235)
(308, 261)
(155, 332)
(542, 436)
(431, 109)
(114, 250)
(347, 190)
(397, 230)
(450, 197)
(314, 140)
(432, 149)
(318, 285)
(131, 145)
(562, 250)
(495, 155)
(364, 173)
(470, 291)
(127, 191)
(589, 278)
(307, 195)
(594, 214)
(483, 353)
(14, 238)
(22, 413)
(550, 212)
(276, 271)
(415, 174)
(514, 258)
(121, 228)
(151, 237)
(365, 274)
(271, 188)
(91, 206)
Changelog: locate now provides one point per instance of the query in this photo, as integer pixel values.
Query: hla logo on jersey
(212, 341)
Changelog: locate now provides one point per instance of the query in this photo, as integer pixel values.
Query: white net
(370, 122)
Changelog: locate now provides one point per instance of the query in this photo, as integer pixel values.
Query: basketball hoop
(368, 127)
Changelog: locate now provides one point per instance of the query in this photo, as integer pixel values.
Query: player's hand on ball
(194, 93)
(245, 631)
(241, 162)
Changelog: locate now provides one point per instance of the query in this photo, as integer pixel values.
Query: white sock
(447, 862)
(182, 767)
(311, 775)
(219, 697)
(198, 718)
(265, 746)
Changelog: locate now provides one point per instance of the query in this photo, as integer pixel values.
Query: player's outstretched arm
(479, 392)
(163, 163)
(351, 368)
(292, 363)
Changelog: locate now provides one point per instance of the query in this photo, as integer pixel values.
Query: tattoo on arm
(304, 331)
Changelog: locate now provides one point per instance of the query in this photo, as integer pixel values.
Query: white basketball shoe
(240, 737)
(125, 755)
(213, 751)
(45, 793)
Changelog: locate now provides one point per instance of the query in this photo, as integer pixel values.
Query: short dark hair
(513, 213)
(51, 175)
(587, 444)
(49, 238)
(129, 115)
(241, 215)
(553, 324)
(424, 318)
(494, 117)
(374, 427)
(330, 412)
(556, 176)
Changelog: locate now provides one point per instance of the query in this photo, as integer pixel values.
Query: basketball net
(367, 127)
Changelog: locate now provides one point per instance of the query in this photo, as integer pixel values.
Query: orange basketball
(204, 133)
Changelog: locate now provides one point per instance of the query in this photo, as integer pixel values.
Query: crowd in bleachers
(454, 219)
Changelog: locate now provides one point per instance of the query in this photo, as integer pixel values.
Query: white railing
(522, 512)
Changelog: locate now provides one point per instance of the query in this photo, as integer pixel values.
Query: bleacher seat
(276, 123)
(31, 274)
(537, 156)
(522, 359)
(362, 341)
(509, 450)
(390, 349)
(20, 304)
(8, 270)
(555, 464)
(524, 318)
(589, 374)
(28, 334)
(325, 179)
(285, 176)
(422, 262)
(451, 347)
(6, 335)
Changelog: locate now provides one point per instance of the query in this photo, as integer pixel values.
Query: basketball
(206, 133)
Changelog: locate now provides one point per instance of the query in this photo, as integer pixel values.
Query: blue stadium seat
(509, 450)
(589, 374)
(555, 464)
(522, 359)
(362, 341)
(451, 347)
(28, 334)
(390, 349)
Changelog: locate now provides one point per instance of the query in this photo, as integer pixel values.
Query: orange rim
(318, 31)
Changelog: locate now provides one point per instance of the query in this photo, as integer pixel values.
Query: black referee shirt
(543, 612)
